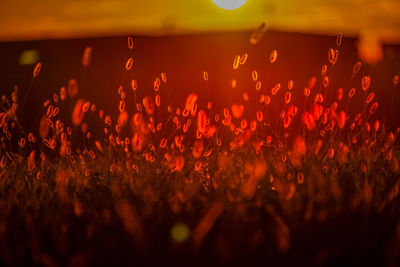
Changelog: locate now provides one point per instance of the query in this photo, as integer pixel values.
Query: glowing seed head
(290, 84)
(130, 42)
(333, 55)
(370, 97)
(236, 62)
(37, 69)
(352, 92)
(87, 56)
(205, 75)
(134, 85)
(129, 64)
(273, 56)
(324, 69)
(373, 108)
(243, 58)
(254, 75)
(275, 89)
(325, 81)
(311, 82)
(339, 39)
(357, 67)
(257, 35)
(288, 97)
(233, 83)
(164, 77)
(340, 94)
(258, 85)
(365, 82)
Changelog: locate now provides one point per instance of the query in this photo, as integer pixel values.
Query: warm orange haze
(199, 133)
(375, 22)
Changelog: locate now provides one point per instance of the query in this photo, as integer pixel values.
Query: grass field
(298, 181)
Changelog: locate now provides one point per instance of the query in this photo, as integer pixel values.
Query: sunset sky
(44, 19)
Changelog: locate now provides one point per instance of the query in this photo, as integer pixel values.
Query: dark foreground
(120, 217)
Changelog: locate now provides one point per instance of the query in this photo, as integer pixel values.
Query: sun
(229, 4)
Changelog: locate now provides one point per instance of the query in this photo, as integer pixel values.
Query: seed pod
(157, 84)
(130, 42)
(373, 108)
(325, 81)
(365, 82)
(339, 39)
(286, 121)
(357, 67)
(324, 69)
(233, 83)
(63, 93)
(37, 69)
(243, 58)
(205, 75)
(273, 56)
(129, 64)
(290, 84)
(107, 120)
(288, 97)
(254, 75)
(257, 35)
(164, 77)
(333, 55)
(258, 85)
(260, 116)
(49, 111)
(121, 106)
(236, 62)
(352, 92)
(311, 82)
(56, 110)
(134, 85)
(340, 94)
(87, 56)
(267, 99)
(370, 97)
(226, 113)
(158, 100)
(275, 89)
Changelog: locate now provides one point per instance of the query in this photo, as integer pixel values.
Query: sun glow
(229, 4)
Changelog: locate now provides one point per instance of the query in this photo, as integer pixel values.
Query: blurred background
(374, 22)
(183, 38)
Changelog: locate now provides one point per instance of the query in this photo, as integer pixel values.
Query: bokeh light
(29, 57)
(180, 232)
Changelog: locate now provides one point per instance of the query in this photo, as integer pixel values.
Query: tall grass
(136, 174)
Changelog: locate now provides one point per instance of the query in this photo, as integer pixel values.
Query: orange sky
(42, 19)
(374, 22)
